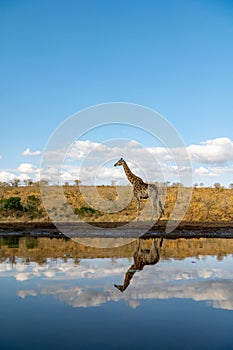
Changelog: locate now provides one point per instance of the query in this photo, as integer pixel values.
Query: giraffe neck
(130, 176)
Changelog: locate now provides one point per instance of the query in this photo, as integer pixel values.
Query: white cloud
(204, 172)
(28, 152)
(23, 293)
(6, 176)
(98, 160)
(21, 276)
(216, 151)
(209, 281)
(27, 168)
(93, 162)
(80, 149)
(24, 171)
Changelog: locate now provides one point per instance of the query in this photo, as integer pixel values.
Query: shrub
(32, 206)
(87, 211)
(12, 203)
(32, 203)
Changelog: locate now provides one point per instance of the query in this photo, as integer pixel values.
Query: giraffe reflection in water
(141, 258)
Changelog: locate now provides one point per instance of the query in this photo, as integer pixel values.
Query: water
(56, 293)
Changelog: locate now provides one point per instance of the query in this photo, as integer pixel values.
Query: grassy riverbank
(207, 205)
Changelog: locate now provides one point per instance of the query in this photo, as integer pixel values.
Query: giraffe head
(120, 162)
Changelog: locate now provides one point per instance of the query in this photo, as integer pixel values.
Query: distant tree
(113, 182)
(217, 185)
(28, 182)
(77, 182)
(44, 182)
(66, 183)
(177, 184)
(195, 185)
(202, 184)
(231, 186)
(15, 182)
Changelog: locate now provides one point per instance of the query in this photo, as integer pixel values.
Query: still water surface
(170, 294)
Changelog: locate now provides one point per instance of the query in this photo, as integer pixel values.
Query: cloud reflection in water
(90, 283)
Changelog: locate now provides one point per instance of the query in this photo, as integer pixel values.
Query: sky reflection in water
(127, 292)
(91, 283)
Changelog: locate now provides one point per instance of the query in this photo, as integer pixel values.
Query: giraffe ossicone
(141, 189)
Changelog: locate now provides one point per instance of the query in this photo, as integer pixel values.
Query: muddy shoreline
(160, 225)
(184, 229)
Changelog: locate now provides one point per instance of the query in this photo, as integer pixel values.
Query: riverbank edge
(184, 229)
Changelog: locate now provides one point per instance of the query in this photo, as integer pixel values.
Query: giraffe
(141, 258)
(141, 189)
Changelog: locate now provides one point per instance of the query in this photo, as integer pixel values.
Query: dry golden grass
(206, 205)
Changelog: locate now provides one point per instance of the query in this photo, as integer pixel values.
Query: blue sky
(58, 57)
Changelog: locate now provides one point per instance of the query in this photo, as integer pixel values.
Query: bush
(32, 203)
(12, 203)
(87, 211)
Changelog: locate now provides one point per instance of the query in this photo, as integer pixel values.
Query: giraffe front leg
(138, 207)
(161, 208)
